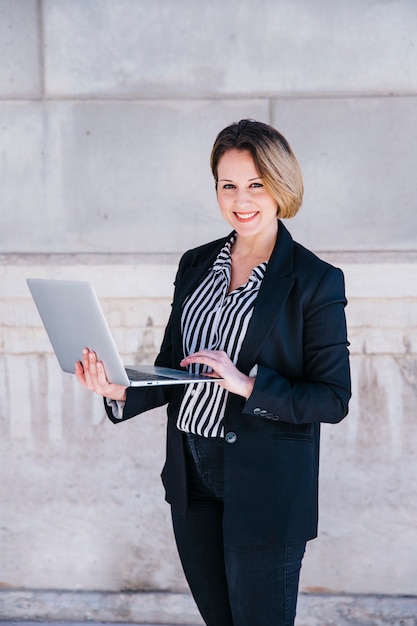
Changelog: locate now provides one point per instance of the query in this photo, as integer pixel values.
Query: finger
(213, 359)
(101, 375)
(92, 358)
(85, 357)
(216, 355)
(84, 376)
(89, 359)
(199, 357)
(79, 372)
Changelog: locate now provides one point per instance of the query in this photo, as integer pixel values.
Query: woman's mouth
(246, 217)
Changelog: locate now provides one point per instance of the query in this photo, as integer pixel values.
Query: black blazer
(297, 337)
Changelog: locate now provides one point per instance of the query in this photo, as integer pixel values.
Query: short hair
(274, 159)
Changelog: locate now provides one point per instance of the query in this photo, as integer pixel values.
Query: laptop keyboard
(135, 375)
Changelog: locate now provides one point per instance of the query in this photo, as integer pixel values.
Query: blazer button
(256, 411)
(231, 437)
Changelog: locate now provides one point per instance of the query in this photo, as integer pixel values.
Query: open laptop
(74, 319)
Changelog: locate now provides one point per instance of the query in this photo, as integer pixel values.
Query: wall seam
(135, 98)
(41, 49)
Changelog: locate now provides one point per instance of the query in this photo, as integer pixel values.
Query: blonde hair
(274, 159)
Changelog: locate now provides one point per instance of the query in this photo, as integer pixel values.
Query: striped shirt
(213, 319)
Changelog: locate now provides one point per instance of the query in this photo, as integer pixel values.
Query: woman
(265, 314)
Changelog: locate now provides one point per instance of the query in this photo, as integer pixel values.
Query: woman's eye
(231, 186)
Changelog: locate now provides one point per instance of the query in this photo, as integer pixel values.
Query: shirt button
(231, 437)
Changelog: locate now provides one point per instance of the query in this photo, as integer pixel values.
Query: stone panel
(116, 177)
(201, 49)
(368, 533)
(83, 506)
(20, 67)
(358, 157)
(106, 178)
(22, 173)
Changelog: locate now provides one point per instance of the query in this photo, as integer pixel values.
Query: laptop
(74, 319)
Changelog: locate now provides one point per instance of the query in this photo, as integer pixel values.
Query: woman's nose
(242, 197)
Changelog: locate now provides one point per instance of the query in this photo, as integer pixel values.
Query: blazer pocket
(293, 437)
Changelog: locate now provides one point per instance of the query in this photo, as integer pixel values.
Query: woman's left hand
(221, 365)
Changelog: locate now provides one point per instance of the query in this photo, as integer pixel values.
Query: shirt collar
(223, 261)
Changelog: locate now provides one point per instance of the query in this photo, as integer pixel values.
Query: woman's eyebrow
(229, 180)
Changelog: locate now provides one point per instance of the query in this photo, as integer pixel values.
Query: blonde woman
(267, 315)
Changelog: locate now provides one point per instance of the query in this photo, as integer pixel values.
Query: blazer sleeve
(322, 390)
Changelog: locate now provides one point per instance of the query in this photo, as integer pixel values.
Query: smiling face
(244, 201)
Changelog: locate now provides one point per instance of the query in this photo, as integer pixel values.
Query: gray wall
(108, 111)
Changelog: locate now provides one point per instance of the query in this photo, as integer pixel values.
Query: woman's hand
(233, 380)
(92, 375)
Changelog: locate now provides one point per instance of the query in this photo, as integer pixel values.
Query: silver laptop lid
(73, 319)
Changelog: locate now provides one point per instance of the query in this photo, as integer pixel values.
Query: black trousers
(232, 585)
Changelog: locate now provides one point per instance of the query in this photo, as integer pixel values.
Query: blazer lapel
(276, 286)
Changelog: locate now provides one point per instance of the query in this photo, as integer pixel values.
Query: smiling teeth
(245, 216)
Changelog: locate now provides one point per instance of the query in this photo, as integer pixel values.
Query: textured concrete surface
(117, 197)
(233, 48)
(20, 49)
(120, 131)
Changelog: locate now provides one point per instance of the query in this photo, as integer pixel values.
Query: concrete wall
(108, 111)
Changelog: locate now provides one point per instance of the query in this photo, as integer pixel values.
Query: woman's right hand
(92, 375)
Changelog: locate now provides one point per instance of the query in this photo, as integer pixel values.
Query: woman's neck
(258, 248)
